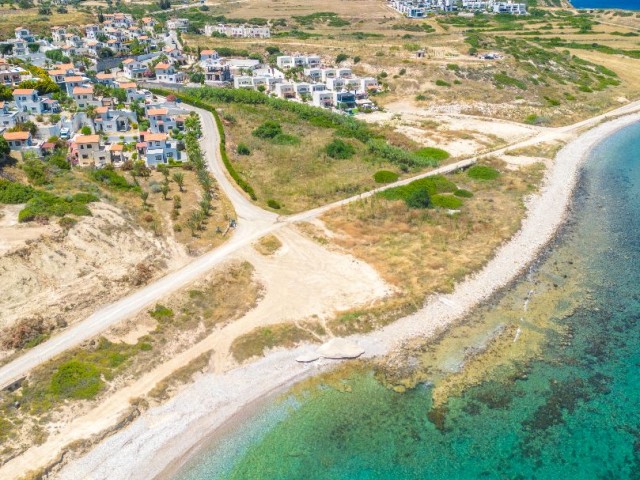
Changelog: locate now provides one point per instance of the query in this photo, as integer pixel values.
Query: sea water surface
(560, 399)
(619, 4)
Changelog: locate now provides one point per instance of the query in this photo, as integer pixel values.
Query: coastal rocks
(334, 349)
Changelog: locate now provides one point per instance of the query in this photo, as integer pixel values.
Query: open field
(39, 24)
(427, 251)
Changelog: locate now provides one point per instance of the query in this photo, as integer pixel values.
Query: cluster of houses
(111, 125)
(238, 31)
(301, 78)
(421, 8)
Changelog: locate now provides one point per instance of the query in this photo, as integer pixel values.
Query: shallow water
(559, 398)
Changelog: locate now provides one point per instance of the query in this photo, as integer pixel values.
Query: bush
(268, 129)
(67, 222)
(385, 176)
(442, 83)
(45, 205)
(463, 193)
(86, 130)
(340, 149)
(273, 204)
(113, 180)
(433, 154)
(446, 201)
(75, 379)
(36, 171)
(161, 313)
(398, 156)
(433, 185)
(243, 149)
(483, 172)
(13, 193)
(418, 198)
(286, 139)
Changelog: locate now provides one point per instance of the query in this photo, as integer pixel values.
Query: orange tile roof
(208, 52)
(155, 136)
(82, 90)
(128, 61)
(23, 91)
(102, 109)
(87, 139)
(105, 76)
(16, 135)
(162, 65)
(127, 85)
(116, 147)
(57, 72)
(157, 111)
(73, 78)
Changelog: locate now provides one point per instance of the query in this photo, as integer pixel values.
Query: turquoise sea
(619, 4)
(570, 409)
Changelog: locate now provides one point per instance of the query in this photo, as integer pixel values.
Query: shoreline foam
(164, 437)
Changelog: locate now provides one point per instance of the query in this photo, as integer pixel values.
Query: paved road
(253, 223)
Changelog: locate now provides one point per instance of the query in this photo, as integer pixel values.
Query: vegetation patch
(433, 185)
(76, 380)
(433, 154)
(385, 176)
(254, 343)
(462, 193)
(340, 149)
(449, 202)
(268, 245)
(483, 172)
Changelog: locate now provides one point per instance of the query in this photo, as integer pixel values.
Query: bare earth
(164, 434)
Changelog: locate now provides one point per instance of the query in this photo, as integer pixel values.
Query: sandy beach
(164, 436)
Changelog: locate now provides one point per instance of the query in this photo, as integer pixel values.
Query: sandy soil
(61, 277)
(461, 135)
(166, 432)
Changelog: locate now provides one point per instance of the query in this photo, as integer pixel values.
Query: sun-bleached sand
(163, 436)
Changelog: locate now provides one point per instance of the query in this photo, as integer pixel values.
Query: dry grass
(268, 245)
(299, 176)
(163, 390)
(540, 150)
(40, 24)
(256, 342)
(427, 251)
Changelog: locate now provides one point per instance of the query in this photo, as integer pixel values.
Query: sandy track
(164, 433)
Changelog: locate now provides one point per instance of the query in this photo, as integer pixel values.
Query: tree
(268, 129)
(5, 93)
(100, 16)
(164, 170)
(165, 190)
(341, 57)
(91, 113)
(35, 170)
(144, 195)
(178, 177)
(86, 130)
(177, 202)
(4, 147)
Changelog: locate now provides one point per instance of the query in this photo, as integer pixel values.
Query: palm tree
(178, 177)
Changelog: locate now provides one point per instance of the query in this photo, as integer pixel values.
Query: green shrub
(243, 149)
(14, 193)
(418, 198)
(268, 129)
(432, 154)
(446, 201)
(442, 83)
(45, 205)
(463, 193)
(112, 179)
(398, 156)
(340, 149)
(285, 139)
(385, 176)
(85, 198)
(145, 347)
(273, 204)
(433, 185)
(161, 313)
(502, 79)
(36, 171)
(483, 172)
(77, 380)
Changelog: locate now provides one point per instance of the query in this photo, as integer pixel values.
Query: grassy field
(423, 251)
(39, 24)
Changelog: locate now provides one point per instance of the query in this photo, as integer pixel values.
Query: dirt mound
(63, 276)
